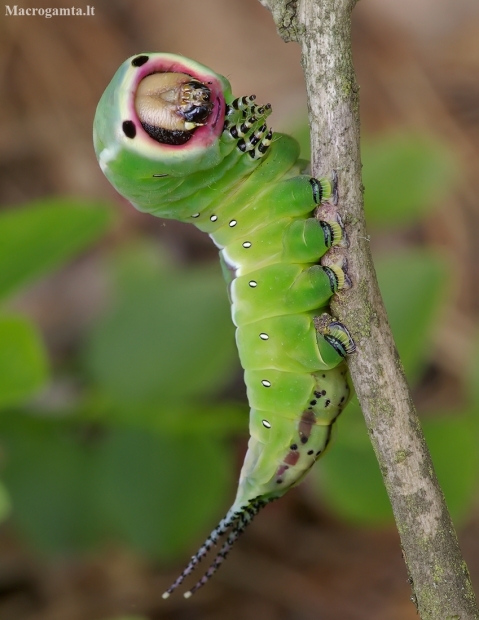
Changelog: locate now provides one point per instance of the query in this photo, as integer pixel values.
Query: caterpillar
(172, 139)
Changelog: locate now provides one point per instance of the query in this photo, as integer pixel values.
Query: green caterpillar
(170, 137)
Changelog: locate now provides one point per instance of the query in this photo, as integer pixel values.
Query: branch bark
(438, 574)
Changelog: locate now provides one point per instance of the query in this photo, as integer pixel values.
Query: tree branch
(438, 574)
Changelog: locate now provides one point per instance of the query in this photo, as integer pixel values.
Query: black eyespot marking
(313, 402)
(139, 60)
(317, 394)
(304, 440)
(318, 452)
(323, 392)
(279, 481)
(342, 399)
(327, 403)
(293, 446)
(323, 376)
(129, 129)
(310, 452)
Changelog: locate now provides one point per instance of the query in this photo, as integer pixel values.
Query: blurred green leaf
(75, 487)
(212, 419)
(405, 175)
(5, 503)
(44, 234)
(452, 441)
(23, 361)
(162, 490)
(349, 478)
(51, 474)
(169, 338)
(414, 285)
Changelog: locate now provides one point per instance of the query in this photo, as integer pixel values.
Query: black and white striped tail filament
(234, 525)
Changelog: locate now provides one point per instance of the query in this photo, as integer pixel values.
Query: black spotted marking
(313, 402)
(138, 61)
(318, 452)
(304, 440)
(279, 481)
(327, 403)
(323, 392)
(129, 129)
(310, 452)
(293, 446)
(317, 394)
(342, 399)
(241, 145)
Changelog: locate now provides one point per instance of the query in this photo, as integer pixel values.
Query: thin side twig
(438, 574)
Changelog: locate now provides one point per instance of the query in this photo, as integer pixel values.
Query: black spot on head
(310, 451)
(318, 452)
(342, 400)
(279, 481)
(317, 394)
(313, 402)
(323, 392)
(129, 129)
(309, 407)
(304, 440)
(293, 446)
(324, 376)
(327, 403)
(139, 60)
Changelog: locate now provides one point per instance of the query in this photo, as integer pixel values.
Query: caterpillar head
(161, 114)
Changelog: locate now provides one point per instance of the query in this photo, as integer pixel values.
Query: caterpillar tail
(281, 451)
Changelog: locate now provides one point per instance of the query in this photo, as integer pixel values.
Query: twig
(438, 574)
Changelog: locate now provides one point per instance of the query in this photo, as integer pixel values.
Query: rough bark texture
(438, 574)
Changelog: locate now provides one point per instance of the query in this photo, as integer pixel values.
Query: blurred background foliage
(123, 419)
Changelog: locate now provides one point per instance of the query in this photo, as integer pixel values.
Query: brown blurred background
(418, 69)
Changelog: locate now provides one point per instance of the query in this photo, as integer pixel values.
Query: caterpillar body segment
(172, 139)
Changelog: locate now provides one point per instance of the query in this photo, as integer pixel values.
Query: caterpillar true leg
(171, 138)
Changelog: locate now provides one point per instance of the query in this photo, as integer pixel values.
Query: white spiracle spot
(264, 336)
(266, 424)
(266, 383)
